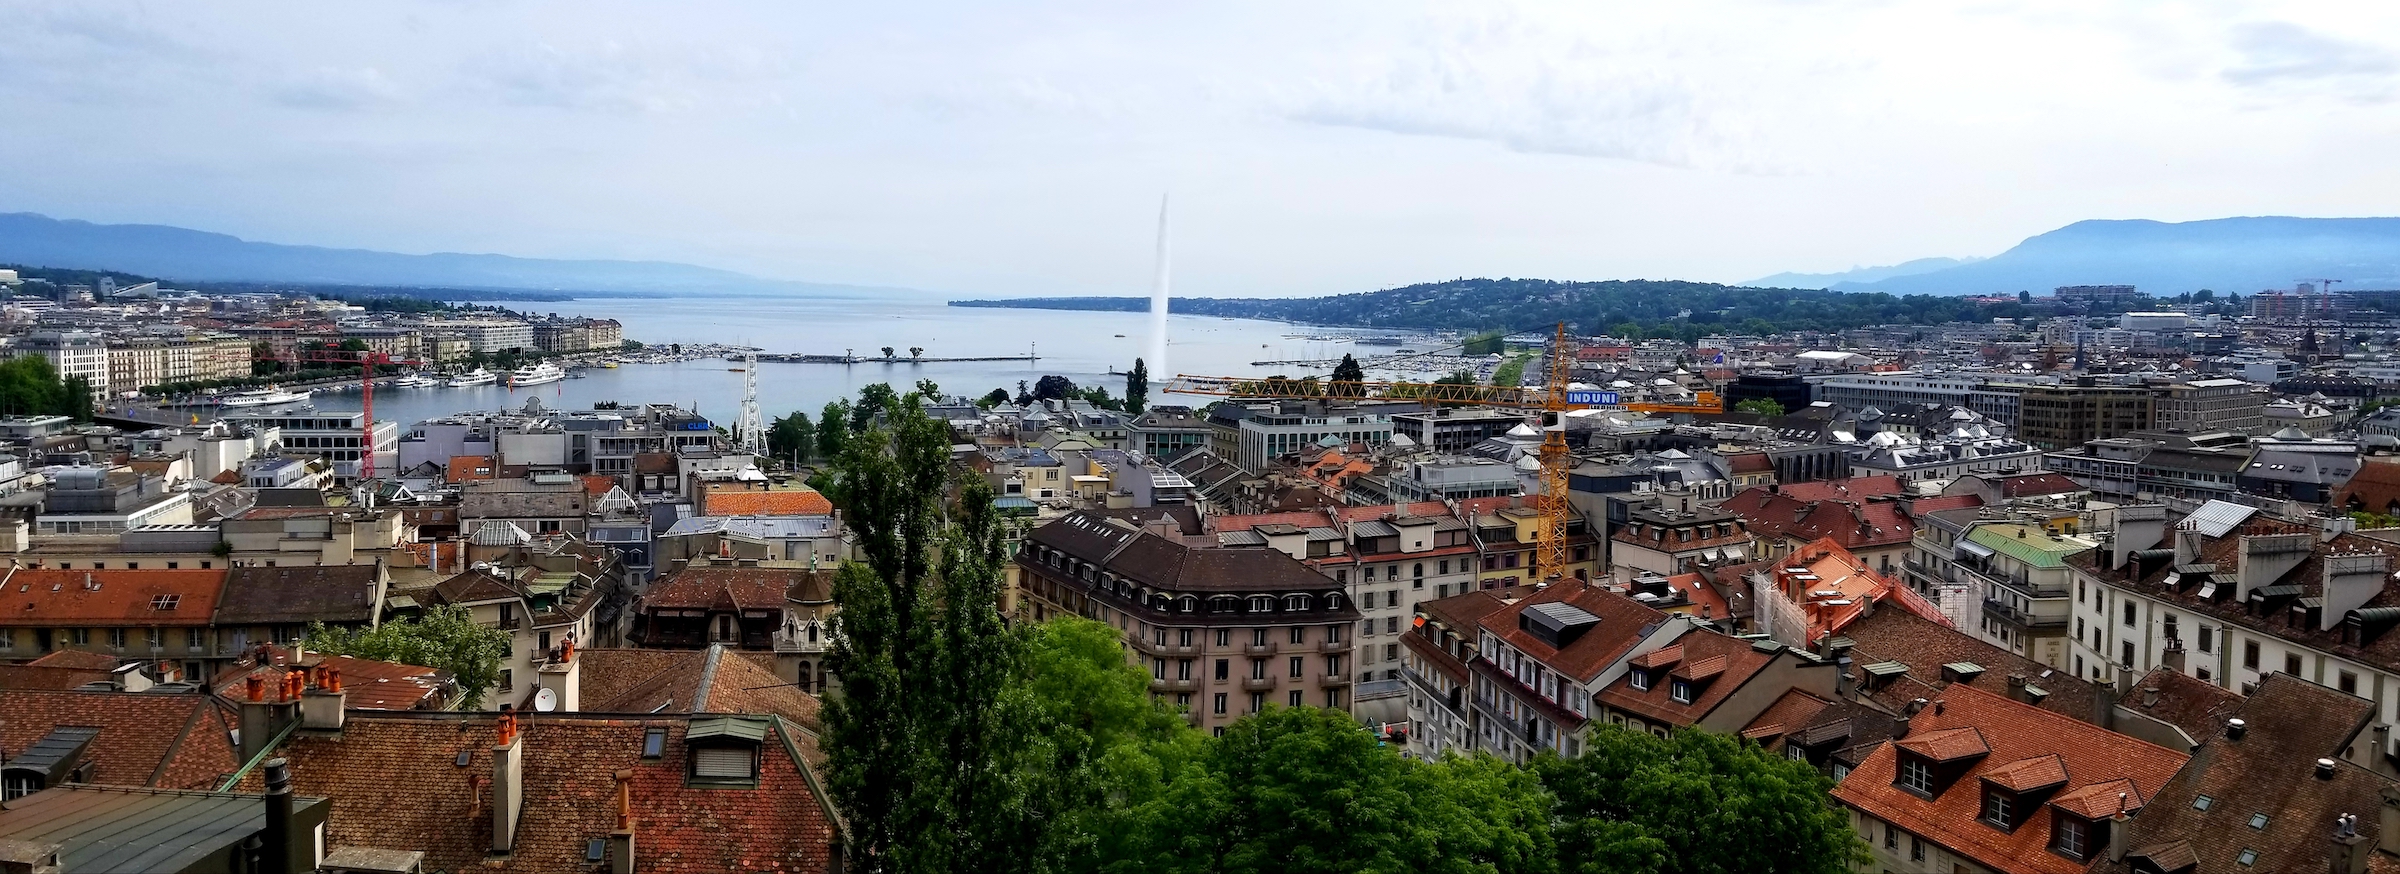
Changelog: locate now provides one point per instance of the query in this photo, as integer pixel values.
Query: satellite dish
(545, 701)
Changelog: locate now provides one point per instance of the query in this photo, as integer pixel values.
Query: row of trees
(965, 743)
(29, 386)
(796, 438)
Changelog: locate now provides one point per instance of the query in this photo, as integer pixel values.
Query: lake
(1082, 346)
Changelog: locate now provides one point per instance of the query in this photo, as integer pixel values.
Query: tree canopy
(1761, 406)
(1137, 388)
(30, 386)
(446, 637)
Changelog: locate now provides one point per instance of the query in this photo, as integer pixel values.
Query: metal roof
(2216, 518)
(1374, 528)
(739, 727)
(62, 747)
(1240, 538)
(119, 829)
(1324, 534)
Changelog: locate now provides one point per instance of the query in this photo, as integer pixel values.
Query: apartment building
(1445, 635)
(157, 615)
(1543, 658)
(1893, 391)
(1454, 431)
(1270, 431)
(1670, 541)
(2061, 416)
(1710, 681)
(1223, 631)
(341, 438)
(1165, 433)
(2205, 405)
(72, 354)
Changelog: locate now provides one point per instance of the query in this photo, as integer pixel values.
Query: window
(82, 636)
(1220, 704)
(725, 763)
(192, 639)
(1996, 809)
(1258, 669)
(2127, 651)
(116, 638)
(1391, 652)
(1299, 634)
(1445, 566)
(1298, 666)
(1258, 701)
(1391, 625)
(2202, 802)
(1224, 637)
(1370, 601)
(157, 638)
(1295, 698)
(2291, 663)
(2247, 858)
(1916, 775)
(1638, 679)
(1794, 752)
(1183, 669)
(654, 743)
(2258, 821)
(1366, 628)
(2208, 639)
(1420, 572)
(165, 602)
(1891, 836)
(508, 679)
(2070, 836)
(1916, 848)
(2347, 682)
(1680, 691)
(8, 638)
(2250, 654)
(1223, 667)
(2129, 605)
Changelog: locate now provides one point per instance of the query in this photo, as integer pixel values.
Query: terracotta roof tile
(2101, 800)
(1718, 664)
(731, 587)
(1622, 621)
(1792, 712)
(66, 598)
(76, 658)
(569, 789)
(162, 740)
(332, 594)
(734, 501)
(671, 681)
(366, 684)
(468, 468)
(2026, 775)
(1925, 646)
(1967, 718)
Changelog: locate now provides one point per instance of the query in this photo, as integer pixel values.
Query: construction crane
(366, 361)
(1552, 400)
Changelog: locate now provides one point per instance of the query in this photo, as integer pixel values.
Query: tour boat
(265, 397)
(478, 376)
(414, 380)
(536, 374)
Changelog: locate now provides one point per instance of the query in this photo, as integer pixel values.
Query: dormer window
(1916, 775)
(1999, 808)
(1680, 691)
(1261, 604)
(1295, 602)
(2073, 836)
(1638, 679)
(725, 750)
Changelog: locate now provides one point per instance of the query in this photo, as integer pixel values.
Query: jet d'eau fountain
(1158, 298)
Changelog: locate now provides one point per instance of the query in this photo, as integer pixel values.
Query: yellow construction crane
(1552, 401)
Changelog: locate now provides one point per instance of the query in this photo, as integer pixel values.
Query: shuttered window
(724, 762)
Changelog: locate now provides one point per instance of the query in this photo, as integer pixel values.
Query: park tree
(1694, 802)
(1761, 406)
(445, 637)
(792, 437)
(1137, 388)
(874, 402)
(1346, 378)
(997, 397)
(833, 429)
(1053, 387)
(929, 739)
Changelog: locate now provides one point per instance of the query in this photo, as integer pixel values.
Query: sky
(1305, 148)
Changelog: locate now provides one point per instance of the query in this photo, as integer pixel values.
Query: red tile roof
(1622, 620)
(784, 824)
(1925, 646)
(1718, 664)
(119, 598)
(728, 588)
(736, 502)
(2028, 485)
(596, 484)
(467, 468)
(1795, 710)
(1857, 488)
(713, 680)
(157, 739)
(1965, 718)
(366, 684)
(1853, 584)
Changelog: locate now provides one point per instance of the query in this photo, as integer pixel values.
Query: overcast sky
(1021, 148)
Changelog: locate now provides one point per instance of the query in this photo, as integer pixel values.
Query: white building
(71, 353)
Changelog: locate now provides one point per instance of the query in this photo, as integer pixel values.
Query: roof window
(165, 602)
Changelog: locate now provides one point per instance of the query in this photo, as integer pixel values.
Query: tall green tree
(445, 637)
(792, 437)
(1347, 377)
(833, 429)
(995, 398)
(874, 401)
(1694, 803)
(928, 739)
(1137, 388)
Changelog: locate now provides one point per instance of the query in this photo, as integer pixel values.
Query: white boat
(478, 376)
(265, 397)
(536, 374)
(414, 380)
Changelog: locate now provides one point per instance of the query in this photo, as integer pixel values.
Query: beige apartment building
(1223, 631)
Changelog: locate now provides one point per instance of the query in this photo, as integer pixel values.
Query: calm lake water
(1083, 346)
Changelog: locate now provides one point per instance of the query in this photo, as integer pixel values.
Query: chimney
(2350, 582)
(276, 850)
(26, 857)
(129, 678)
(563, 676)
(2235, 728)
(322, 708)
(2138, 527)
(508, 781)
(262, 718)
(2351, 851)
(2120, 839)
(2265, 558)
(1907, 714)
(2336, 526)
(620, 841)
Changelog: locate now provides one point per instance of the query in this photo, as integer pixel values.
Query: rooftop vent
(2235, 728)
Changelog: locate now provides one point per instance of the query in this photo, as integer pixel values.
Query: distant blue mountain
(1857, 274)
(173, 253)
(2165, 258)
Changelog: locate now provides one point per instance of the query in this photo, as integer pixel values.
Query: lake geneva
(1082, 346)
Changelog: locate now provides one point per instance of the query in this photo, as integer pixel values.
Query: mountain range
(2163, 258)
(182, 254)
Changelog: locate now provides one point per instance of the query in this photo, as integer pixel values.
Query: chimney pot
(2235, 728)
(2325, 769)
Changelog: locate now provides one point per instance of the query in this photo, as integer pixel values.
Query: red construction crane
(366, 361)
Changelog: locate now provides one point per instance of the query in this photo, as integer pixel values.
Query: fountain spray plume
(1158, 300)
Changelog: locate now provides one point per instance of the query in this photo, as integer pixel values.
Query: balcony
(797, 642)
(2005, 612)
(1258, 684)
(1336, 679)
(1261, 649)
(1164, 685)
(1334, 646)
(1370, 690)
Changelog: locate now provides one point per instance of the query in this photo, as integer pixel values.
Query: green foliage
(792, 437)
(1511, 373)
(1460, 378)
(833, 429)
(30, 387)
(445, 637)
(1761, 406)
(874, 402)
(1137, 388)
(1098, 396)
(997, 397)
(1346, 378)
(1694, 803)
(1650, 305)
(1053, 387)
(1487, 343)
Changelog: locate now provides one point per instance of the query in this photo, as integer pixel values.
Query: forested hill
(1658, 307)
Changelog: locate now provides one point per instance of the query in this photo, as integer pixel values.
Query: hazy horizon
(1342, 147)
